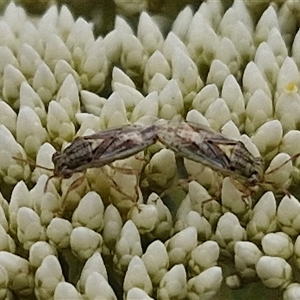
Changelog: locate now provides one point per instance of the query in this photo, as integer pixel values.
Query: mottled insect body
(201, 144)
(102, 148)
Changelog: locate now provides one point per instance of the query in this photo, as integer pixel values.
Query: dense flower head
(150, 225)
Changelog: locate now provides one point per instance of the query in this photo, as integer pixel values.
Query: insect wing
(102, 148)
(125, 143)
(195, 142)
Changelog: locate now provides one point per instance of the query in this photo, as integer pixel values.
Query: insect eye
(232, 168)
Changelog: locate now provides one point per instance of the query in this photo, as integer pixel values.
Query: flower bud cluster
(136, 228)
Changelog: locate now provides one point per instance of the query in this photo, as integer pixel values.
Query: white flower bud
(180, 245)
(113, 43)
(182, 22)
(157, 83)
(8, 117)
(137, 294)
(137, 276)
(119, 76)
(45, 204)
(12, 170)
(274, 272)
(131, 96)
(229, 231)
(186, 73)
(268, 137)
(170, 100)
(44, 83)
(30, 132)
(232, 198)
(292, 292)
(149, 34)
(288, 114)
(267, 21)
(156, 63)
(47, 277)
(93, 264)
(173, 285)
(59, 125)
(30, 229)
(97, 287)
(68, 96)
(112, 226)
(203, 227)
(164, 224)
(202, 41)
(47, 24)
(81, 34)
(217, 114)
(233, 281)
(65, 290)
(3, 213)
(263, 218)
(206, 284)
(277, 244)
(295, 48)
(113, 113)
(204, 257)
(233, 97)
(55, 50)
(297, 251)
(58, 232)
(246, 255)
(38, 251)
(288, 215)
(144, 217)
(31, 36)
(227, 53)
(6, 242)
(133, 57)
(7, 54)
(172, 42)
(146, 107)
(29, 60)
(65, 20)
(85, 242)
(161, 169)
(28, 97)
(19, 197)
(218, 72)
(92, 103)
(266, 62)
(12, 80)
(205, 98)
(289, 143)
(20, 277)
(94, 66)
(156, 261)
(89, 212)
(62, 70)
(277, 45)
(128, 245)
(257, 117)
(3, 283)
(283, 168)
(253, 81)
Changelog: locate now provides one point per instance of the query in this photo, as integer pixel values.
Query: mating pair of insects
(193, 141)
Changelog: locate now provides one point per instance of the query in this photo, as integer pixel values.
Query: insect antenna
(32, 163)
(294, 157)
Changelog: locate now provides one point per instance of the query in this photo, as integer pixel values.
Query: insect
(226, 156)
(99, 149)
